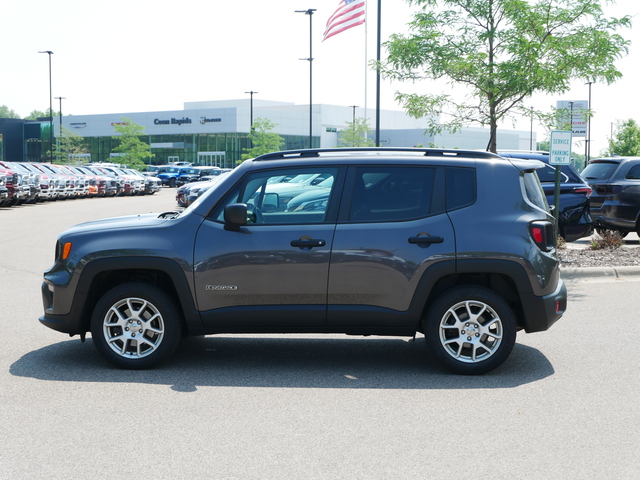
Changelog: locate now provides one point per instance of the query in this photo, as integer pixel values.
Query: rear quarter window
(634, 173)
(533, 191)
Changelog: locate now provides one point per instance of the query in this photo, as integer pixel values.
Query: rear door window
(392, 194)
(461, 187)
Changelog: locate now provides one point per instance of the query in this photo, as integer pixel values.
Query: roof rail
(427, 152)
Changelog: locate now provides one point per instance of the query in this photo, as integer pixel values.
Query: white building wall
(231, 116)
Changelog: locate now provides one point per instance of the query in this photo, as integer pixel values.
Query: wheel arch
(501, 276)
(101, 275)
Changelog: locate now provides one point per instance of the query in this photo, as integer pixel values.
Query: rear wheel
(136, 326)
(470, 330)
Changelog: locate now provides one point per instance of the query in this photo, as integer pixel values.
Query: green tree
(355, 135)
(502, 51)
(263, 139)
(36, 114)
(133, 151)
(626, 140)
(6, 112)
(69, 143)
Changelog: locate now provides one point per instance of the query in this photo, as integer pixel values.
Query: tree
(6, 112)
(263, 139)
(355, 135)
(502, 51)
(36, 114)
(68, 143)
(133, 151)
(626, 141)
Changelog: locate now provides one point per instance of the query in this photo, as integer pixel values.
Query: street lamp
(587, 153)
(310, 59)
(49, 52)
(251, 115)
(354, 114)
(60, 113)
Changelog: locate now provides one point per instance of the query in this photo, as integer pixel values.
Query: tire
(172, 182)
(132, 312)
(470, 330)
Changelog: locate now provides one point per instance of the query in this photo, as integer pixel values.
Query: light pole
(354, 114)
(60, 113)
(310, 59)
(587, 153)
(251, 115)
(49, 52)
(531, 132)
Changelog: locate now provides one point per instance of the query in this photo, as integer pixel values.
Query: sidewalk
(600, 273)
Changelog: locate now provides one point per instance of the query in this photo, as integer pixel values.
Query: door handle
(425, 239)
(308, 243)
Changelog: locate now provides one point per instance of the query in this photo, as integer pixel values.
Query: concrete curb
(631, 273)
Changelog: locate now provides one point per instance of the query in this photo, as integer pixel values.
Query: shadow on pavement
(214, 361)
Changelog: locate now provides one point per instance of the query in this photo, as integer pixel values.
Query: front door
(278, 262)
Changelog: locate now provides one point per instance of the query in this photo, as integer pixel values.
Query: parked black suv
(615, 202)
(574, 215)
(454, 244)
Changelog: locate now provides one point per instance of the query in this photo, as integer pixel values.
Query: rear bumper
(542, 312)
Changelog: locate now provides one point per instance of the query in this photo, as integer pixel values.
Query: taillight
(608, 189)
(586, 190)
(542, 234)
(538, 234)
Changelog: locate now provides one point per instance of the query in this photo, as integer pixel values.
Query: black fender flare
(166, 265)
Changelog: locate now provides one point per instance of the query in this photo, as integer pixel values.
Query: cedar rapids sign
(184, 120)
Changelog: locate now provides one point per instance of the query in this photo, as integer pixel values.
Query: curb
(631, 273)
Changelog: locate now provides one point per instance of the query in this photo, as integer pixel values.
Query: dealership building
(216, 132)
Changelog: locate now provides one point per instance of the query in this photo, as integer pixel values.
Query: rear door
(391, 229)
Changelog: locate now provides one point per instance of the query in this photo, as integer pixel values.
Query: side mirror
(235, 216)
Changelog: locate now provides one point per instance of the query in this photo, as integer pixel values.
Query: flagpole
(378, 78)
(366, 61)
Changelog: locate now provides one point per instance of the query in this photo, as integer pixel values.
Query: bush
(607, 239)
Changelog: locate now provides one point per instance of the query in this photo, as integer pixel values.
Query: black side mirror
(235, 216)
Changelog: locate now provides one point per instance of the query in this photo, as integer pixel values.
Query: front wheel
(470, 330)
(136, 326)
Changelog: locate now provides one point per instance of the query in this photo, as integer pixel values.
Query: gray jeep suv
(455, 244)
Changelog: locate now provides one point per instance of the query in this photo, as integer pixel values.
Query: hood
(129, 221)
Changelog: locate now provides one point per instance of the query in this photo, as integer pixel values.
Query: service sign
(560, 147)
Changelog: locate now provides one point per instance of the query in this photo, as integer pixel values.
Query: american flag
(350, 13)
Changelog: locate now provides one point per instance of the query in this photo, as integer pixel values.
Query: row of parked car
(176, 175)
(23, 182)
(604, 197)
